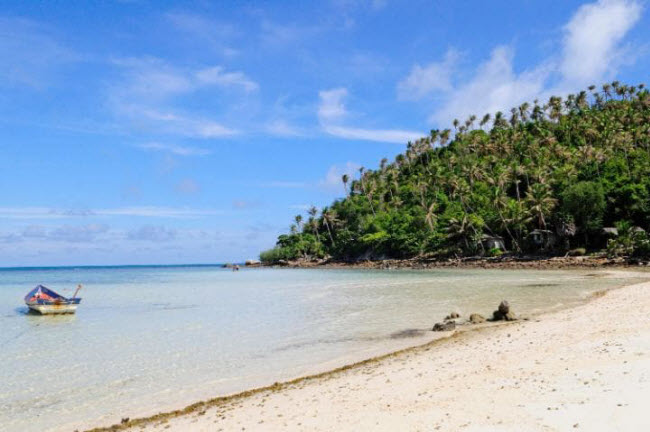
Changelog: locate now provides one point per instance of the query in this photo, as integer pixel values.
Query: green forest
(569, 175)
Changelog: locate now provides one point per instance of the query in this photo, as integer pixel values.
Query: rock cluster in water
(444, 326)
(476, 318)
(503, 313)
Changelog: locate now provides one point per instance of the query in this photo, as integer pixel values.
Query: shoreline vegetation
(239, 408)
(570, 176)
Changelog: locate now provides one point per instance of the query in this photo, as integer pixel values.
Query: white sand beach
(585, 368)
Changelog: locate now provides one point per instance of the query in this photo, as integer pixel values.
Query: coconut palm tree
(540, 202)
(431, 218)
(345, 179)
(330, 220)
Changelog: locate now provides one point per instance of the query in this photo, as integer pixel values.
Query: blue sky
(136, 132)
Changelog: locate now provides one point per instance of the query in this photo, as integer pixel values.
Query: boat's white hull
(54, 309)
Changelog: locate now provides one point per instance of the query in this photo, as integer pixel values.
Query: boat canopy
(43, 293)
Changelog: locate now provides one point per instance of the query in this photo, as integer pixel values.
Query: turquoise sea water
(147, 339)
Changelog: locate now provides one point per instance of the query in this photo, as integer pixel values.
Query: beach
(585, 368)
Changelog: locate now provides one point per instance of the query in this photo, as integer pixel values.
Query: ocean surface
(147, 339)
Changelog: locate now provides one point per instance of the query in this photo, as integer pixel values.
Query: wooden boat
(45, 301)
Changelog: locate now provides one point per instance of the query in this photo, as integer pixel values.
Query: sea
(147, 339)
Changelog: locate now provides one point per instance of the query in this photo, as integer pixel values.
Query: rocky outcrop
(504, 312)
(509, 262)
(253, 263)
(444, 326)
(476, 318)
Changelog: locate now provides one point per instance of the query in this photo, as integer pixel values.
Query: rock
(498, 316)
(444, 326)
(253, 263)
(504, 313)
(476, 318)
(452, 316)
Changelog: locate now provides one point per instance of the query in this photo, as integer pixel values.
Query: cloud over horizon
(332, 112)
(591, 51)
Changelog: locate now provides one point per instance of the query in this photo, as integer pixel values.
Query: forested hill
(568, 166)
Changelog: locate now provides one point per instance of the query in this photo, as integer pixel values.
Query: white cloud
(153, 233)
(435, 76)
(30, 54)
(150, 90)
(150, 76)
(142, 211)
(495, 86)
(379, 135)
(333, 178)
(217, 75)
(591, 43)
(282, 128)
(283, 35)
(591, 52)
(331, 106)
(63, 233)
(332, 111)
(77, 233)
(207, 129)
(175, 149)
(209, 34)
(161, 212)
(177, 124)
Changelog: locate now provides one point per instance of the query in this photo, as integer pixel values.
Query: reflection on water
(149, 339)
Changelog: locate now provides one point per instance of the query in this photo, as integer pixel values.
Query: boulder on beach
(452, 316)
(444, 326)
(476, 318)
(504, 312)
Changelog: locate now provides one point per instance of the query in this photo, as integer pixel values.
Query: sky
(147, 132)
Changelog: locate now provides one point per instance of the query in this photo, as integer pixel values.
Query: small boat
(45, 301)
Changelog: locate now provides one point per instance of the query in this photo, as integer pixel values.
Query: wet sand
(582, 368)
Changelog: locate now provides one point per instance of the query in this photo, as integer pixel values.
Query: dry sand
(587, 368)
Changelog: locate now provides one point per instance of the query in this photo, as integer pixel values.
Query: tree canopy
(570, 166)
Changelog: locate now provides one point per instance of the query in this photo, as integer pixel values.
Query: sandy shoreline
(587, 367)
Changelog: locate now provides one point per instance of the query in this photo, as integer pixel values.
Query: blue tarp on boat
(45, 294)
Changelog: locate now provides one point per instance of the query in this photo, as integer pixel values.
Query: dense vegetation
(569, 167)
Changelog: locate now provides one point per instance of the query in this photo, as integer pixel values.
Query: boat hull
(53, 309)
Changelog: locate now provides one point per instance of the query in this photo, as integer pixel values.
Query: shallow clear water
(152, 339)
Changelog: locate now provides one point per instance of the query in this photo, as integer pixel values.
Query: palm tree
(540, 202)
(298, 220)
(345, 179)
(431, 216)
(500, 202)
(313, 211)
(330, 220)
(485, 120)
(464, 229)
